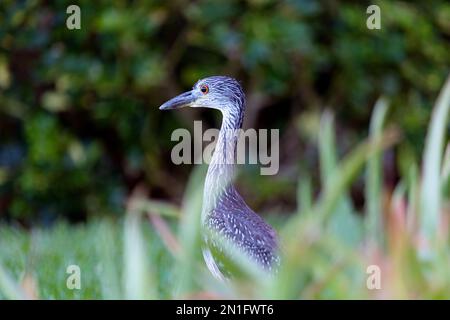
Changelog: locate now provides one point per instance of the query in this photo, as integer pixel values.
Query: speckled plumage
(233, 219)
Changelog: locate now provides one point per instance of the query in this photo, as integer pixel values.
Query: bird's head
(217, 92)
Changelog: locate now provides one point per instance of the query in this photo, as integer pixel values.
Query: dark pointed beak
(183, 100)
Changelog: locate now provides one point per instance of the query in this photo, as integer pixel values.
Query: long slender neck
(219, 179)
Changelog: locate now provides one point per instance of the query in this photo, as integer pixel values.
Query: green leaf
(430, 217)
(343, 222)
(374, 178)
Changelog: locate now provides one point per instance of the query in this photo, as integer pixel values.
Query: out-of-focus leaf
(342, 222)
(430, 216)
(374, 177)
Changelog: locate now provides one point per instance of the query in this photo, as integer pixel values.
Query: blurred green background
(79, 119)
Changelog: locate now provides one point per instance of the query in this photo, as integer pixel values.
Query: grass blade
(190, 230)
(446, 171)
(139, 280)
(413, 199)
(8, 287)
(430, 216)
(374, 177)
(343, 222)
(304, 194)
(110, 285)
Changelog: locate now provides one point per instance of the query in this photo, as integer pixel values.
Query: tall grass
(326, 247)
(374, 178)
(431, 206)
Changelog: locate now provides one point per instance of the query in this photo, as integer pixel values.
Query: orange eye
(204, 89)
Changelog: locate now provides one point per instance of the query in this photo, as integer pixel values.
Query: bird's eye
(204, 89)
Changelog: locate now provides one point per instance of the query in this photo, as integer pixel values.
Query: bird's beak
(180, 101)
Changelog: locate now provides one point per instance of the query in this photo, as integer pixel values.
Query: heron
(224, 211)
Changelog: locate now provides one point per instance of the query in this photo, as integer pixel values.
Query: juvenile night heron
(224, 211)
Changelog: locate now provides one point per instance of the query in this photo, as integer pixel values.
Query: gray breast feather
(233, 219)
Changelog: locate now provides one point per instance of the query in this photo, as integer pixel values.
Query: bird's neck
(219, 179)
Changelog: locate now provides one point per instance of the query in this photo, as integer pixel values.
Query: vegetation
(326, 246)
(80, 106)
(82, 143)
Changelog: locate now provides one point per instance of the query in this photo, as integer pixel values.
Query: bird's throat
(220, 175)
